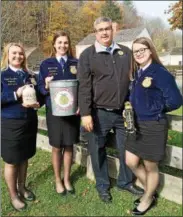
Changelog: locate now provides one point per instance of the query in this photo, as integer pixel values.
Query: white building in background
(165, 58)
(174, 57)
(124, 37)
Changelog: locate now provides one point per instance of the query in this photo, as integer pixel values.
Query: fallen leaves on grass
(169, 137)
(11, 213)
(128, 211)
(85, 192)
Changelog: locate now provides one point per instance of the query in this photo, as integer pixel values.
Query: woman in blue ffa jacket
(63, 132)
(153, 93)
(18, 123)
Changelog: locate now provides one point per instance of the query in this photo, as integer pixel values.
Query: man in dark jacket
(103, 74)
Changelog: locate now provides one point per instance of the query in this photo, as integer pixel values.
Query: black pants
(104, 121)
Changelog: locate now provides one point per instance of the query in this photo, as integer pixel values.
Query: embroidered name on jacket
(52, 71)
(11, 81)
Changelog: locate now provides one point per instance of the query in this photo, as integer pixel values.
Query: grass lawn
(177, 111)
(175, 138)
(84, 203)
(42, 111)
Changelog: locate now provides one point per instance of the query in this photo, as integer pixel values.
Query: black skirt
(150, 141)
(62, 131)
(18, 139)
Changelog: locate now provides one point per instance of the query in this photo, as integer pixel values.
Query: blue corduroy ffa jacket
(51, 67)
(154, 93)
(11, 107)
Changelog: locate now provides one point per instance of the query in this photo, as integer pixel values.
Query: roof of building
(124, 35)
(128, 34)
(176, 51)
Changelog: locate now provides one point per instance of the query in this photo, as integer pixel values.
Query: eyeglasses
(140, 51)
(104, 29)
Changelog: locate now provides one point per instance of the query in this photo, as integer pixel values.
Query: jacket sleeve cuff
(44, 91)
(15, 96)
(85, 112)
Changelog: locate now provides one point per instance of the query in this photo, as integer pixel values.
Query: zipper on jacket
(118, 90)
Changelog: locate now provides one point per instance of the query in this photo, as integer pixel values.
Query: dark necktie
(140, 71)
(109, 49)
(62, 62)
(21, 74)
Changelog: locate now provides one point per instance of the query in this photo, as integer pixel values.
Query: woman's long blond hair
(149, 44)
(5, 62)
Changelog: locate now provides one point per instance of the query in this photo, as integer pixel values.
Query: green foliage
(163, 38)
(34, 22)
(129, 4)
(170, 170)
(111, 10)
(175, 138)
(131, 19)
(173, 68)
(177, 111)
(23, 21)
(43, 132)
(42, 111)
(176, 19)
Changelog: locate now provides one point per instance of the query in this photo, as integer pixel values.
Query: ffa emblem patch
(64, 99)
(33, 81)
(147, 82)
(73, 69)
(120, 52)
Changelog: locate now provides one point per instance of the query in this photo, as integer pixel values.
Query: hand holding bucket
(47, 81)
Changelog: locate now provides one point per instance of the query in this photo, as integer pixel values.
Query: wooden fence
(170, 186)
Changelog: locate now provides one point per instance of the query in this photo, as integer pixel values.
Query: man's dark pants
(104, 121)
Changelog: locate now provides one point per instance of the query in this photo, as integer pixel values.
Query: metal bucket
(64, 97)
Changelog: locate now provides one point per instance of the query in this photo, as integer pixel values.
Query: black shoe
(71, 191)
(28, 195)
(135, 211)
(63, 193)
(105, 196)
(137, 201)
(132, 189)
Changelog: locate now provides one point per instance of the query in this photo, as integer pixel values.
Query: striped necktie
(140, 71)
(62, 62)
(108, 49)
(21, 74)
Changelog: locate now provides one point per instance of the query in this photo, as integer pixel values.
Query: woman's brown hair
(149, 44)
(57, 35)
(5, 62)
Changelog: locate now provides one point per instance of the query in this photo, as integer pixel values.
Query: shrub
(173, 68)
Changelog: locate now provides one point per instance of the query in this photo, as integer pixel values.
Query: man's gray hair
(101, 20)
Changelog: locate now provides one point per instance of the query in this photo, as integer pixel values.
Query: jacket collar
(100, 48)
(70, 60)
(15, 69)
(64, 57)
(149, 69)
